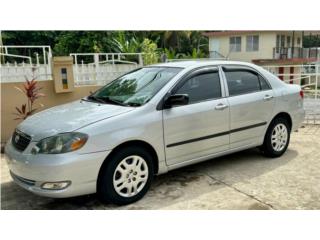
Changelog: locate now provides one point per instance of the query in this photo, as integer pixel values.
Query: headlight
(61, 143)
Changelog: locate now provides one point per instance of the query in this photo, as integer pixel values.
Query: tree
(149, 49)
(66, 42)
(311, 41)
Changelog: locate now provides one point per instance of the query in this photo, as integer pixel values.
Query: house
(281, 52)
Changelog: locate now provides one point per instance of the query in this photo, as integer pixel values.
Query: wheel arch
(284, 115)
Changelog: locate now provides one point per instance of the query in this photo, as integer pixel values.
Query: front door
(200, 128)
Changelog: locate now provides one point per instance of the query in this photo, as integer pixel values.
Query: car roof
(200, 63)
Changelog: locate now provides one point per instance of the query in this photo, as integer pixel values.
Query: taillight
(301, 94)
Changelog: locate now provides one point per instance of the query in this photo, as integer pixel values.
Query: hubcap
(130, 176)
(279, 137)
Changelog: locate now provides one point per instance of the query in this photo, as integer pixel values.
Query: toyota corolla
(150, 121)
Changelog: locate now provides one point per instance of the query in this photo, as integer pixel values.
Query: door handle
(267, 97)
(221, 106)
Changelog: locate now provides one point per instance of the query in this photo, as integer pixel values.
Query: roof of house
(225, 33)
(239, 32)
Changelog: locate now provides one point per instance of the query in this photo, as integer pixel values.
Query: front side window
(135, 88)
(235, 44)
(202, 87)
(242, 82)
(252, 43)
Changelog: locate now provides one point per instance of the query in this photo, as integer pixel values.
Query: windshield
(135, 88)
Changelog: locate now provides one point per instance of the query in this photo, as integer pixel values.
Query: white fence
(101, 68)
(88, 74)
(19, 72)
(19, 62)
(307, 76)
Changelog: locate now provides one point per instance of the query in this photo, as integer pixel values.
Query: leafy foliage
(149, 49)
(171, 53)
(32, 92)
(126, 44)
(66, 42)
(311, 41)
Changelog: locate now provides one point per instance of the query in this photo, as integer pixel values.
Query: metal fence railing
(307, 76)
(101, 68)
(19, 62)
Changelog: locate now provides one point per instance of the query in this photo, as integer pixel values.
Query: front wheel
(277, 138)
(126, 177)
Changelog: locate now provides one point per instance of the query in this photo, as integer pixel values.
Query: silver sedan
(150, 121)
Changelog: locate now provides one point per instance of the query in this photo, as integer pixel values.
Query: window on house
(283, 40)
(252, 43)
(278, 44)
(235, 44)
(298, 41)
(288, 41)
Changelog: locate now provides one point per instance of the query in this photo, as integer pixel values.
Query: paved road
(244, 180)
(312, 107)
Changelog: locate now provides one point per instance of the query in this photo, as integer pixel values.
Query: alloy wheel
(279, 137)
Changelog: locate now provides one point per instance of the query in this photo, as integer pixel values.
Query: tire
(277, 138)
(126, 176)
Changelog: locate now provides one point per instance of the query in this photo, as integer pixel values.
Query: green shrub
(149, 50)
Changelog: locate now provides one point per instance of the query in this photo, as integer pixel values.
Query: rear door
(200, 128)
(251, 104)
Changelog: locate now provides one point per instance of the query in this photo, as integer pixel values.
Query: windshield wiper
(105, 100)
(113, 101)
(133, 104)
(96, 99)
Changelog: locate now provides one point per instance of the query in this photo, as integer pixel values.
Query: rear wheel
(277, 138)
(126, 177)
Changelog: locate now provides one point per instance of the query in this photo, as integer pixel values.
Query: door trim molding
(216, 135)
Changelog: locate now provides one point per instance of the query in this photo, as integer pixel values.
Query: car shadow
(175, 186)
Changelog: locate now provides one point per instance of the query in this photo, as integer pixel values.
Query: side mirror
(176, 100)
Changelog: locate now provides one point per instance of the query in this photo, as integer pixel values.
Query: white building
(282, 50)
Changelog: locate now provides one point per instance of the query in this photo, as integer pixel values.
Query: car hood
(68, 117)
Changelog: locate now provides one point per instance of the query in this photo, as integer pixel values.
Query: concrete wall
(267, 41)
(11, 97)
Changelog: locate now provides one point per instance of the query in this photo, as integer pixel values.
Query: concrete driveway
(244, 180)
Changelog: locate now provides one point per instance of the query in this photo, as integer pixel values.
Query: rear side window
(202, 87)
(242, 82)
(264, 84)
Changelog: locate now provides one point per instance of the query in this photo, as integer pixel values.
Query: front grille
(20, 140)
(23, 180)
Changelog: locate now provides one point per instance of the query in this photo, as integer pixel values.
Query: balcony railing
(295, 52)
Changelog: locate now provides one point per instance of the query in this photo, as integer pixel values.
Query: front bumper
(31, 171)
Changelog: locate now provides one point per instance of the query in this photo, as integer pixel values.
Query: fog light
(55, 185)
